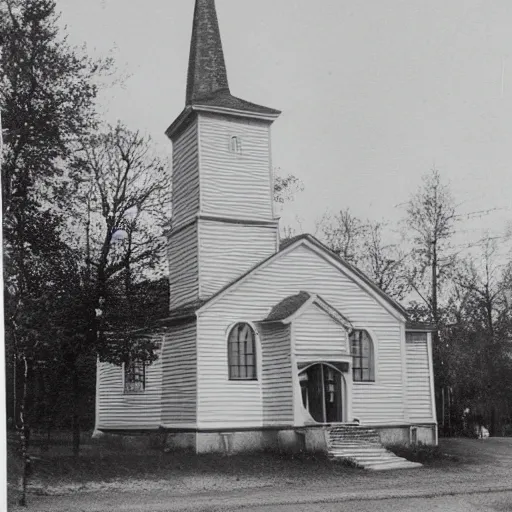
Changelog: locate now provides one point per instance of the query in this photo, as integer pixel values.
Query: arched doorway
(322, 387)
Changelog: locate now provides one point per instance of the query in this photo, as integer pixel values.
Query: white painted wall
(117, 410)
(222, 403)
(319, 337)
(276, 375)
(183, 266)
(235, 185)
(299, 269)
(185, 175)
(228, 251)
(418, 378)
(211, 180)
(179, 376)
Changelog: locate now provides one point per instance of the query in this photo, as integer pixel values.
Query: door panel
(324, 392)
(333, 395)
(315, 393)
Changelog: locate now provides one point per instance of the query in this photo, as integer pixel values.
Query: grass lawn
(56, 471)
(101, 468)
(425, 454)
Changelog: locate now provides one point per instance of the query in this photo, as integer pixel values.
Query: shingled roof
(207, 83)
(287, 307)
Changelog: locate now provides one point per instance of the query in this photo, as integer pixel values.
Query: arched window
(363, 362)
(235, 144)
(242, 353)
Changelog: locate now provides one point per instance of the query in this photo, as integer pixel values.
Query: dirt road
(484, 479)
(481, 502)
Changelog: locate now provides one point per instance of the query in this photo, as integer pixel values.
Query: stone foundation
(311, 439)
(236, 442)
(425, 434)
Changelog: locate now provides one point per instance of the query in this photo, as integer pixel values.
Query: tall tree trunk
(76, 414)
(23, 431)
(435, 313)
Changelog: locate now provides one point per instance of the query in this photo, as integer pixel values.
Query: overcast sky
(374, 93)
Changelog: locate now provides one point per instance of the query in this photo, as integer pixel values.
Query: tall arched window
(363, 362)
(242, 353)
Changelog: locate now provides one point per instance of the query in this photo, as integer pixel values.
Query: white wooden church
(265, 344)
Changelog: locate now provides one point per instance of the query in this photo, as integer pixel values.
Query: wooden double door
(322, 389)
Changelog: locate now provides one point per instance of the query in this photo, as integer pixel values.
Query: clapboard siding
(183, 266)
(179, 390)
(418, 378)
(221, 401)
(318, 337)
(276, 374)
(117, 410)
(300, 269)
(235, 185)
(185, 178)
(227, 251)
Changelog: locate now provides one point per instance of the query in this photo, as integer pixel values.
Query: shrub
(420, 452)
(507, 430)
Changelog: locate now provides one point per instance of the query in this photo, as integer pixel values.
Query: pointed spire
(207, 84)
(207, 73)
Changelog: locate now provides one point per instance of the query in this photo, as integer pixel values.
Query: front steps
(363, 446)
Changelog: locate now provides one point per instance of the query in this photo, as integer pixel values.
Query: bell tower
(223, 210)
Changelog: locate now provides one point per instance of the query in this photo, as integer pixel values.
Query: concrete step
(359, 455)
(384, 466)
(353, 443)
(347, 437)
(362, 454)
(363, 446)
(354, 438)
(362, 459)
(359, 449)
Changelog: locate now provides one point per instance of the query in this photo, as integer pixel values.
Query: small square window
(416, 337)
(135, 377)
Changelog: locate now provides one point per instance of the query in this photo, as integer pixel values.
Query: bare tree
(384, 262)
(285, 187)
(126, 191)
(344, 234)
(431, 218)
(362, 243)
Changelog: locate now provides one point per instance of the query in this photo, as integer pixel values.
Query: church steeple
(207, 73)
(223, 221)
(207, 79)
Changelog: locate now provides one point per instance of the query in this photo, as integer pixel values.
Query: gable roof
(287, 307)
(292, 306)
(188, 311)
(323, 248)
